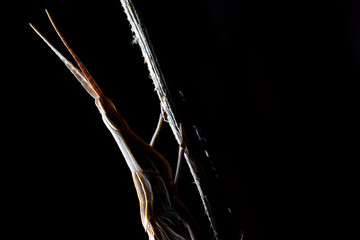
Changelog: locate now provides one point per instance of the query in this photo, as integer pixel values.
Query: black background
(270, 86)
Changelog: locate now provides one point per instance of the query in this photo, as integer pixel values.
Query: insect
(163, 215)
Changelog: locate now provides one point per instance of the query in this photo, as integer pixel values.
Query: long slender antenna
(75, 71)
(76, 58)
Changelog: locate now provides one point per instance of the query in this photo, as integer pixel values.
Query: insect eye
(114, 121)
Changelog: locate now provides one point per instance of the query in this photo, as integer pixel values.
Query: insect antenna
(76, 58)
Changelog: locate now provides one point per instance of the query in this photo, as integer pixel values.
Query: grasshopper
(163, 215)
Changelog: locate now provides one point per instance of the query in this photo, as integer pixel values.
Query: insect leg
(191, 232)
(158, 127)
(180, 158)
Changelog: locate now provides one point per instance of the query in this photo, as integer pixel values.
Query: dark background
(269, 85)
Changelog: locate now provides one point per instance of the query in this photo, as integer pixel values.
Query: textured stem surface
(141, 38)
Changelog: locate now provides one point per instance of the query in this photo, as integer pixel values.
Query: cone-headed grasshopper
(151, 172)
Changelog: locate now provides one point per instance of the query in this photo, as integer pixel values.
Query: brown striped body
(151, 172)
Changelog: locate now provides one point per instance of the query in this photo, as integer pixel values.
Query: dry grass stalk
(142, 39)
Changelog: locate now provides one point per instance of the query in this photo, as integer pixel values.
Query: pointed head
(110, 114)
